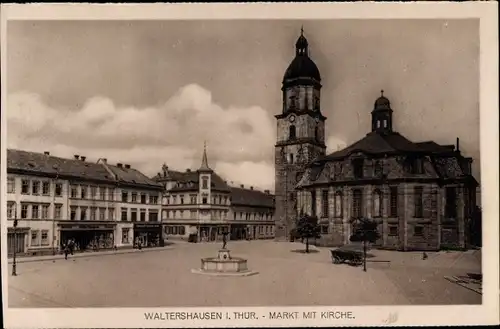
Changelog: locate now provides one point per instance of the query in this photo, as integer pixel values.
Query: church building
(421, 194)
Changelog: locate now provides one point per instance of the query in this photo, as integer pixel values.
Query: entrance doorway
(15, 241)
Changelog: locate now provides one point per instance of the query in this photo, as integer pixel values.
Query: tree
(365, 230)
(308, 228)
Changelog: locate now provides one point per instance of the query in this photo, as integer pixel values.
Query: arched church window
(357, 200)
(377, 203)
(338, 204)
(292, 132)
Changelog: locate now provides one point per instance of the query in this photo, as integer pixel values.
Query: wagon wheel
(337, 260)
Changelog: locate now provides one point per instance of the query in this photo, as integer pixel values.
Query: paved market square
(163, 278)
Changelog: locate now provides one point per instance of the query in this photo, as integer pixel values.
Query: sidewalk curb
(457, 281)
(85, 255)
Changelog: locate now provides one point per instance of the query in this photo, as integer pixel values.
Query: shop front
(88, 236)
(16, 240)
(214, 232)
(148, 235)
(239, 232)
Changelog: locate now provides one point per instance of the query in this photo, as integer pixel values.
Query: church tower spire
(204, 160)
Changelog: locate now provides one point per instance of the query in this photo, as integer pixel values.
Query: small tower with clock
(301, 133)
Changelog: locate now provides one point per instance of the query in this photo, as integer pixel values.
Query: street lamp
(14, 272)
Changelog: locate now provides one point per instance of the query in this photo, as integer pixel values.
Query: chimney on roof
(251, 187)
(83, 158)
(77, 157)
(119, 165)
(267, 191)
(127, 166)
(242, 186)
(458, 145)
(46, 153)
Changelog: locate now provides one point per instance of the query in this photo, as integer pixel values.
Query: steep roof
(43, 164)
(253, 198)
(189, 180)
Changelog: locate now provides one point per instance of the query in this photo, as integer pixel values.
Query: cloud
(334, 144)
(240, 140)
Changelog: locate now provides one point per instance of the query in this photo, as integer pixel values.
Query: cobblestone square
(163, 278)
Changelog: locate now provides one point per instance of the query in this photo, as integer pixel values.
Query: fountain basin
(224, 265)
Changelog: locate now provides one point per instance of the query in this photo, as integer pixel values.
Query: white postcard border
(487, 313)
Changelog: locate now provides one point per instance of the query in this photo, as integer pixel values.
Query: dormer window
(416, 166)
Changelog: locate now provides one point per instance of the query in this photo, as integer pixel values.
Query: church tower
(301, 133)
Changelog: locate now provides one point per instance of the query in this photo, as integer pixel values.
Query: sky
(152, 92)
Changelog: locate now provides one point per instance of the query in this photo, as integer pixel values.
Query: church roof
(249, 197)
(189, 181)
(302, 66)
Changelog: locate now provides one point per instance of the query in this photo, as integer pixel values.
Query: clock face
(292, 118)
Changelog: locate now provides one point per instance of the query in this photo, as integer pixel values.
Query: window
(57, 211)
(378, 123)
(193, 214)
(25, 186)
(11, 210)
(182, 199)
(93, 192)
(313, 203)
(174, 230)
(124, 197)
(83, 192)
(418, 230)
(324, 229)
(34, 238)
(73, 213)
(204, 182)
(393, 190)
(143, 215)
(393, 230)
(168, 213)
(451, 202)
(419, 207)
(111, 214)
(45, 237)
(59, 189)
(111, 194)
(154, 199)
(143, 198)
(35, 213)
(45, 188)
(93, 213)
(292, 132)
(133, 215)
(83, 213)
(358, 167)
(11, 185)
(291, 158)
(124, 214)
(182, 230)
(24, 211)
(102, 214)
(377, 203)
(153, 216)
(385, 123)
(193, 199)
(357, 200)
(35, 187)
(125, 233)
(134, 197)
(316, 134)
(338, 204)
(377, 169)
(416, 166)
(73, 191)
(45, 211)
(324, 201)
(102, 193)
(204, 200)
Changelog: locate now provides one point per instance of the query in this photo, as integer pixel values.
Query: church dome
(382, 103)
(302, 65)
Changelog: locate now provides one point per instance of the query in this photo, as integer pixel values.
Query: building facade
(421, 194)
(200, 202)
(56, 199)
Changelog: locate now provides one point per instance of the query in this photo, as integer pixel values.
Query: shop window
(35, 211)
(418, 230)
(35, 187)
(58, 189)
(182, 230)
(125, 235)
(45, 237)
(393, 230)
(58, 211)
(46, 188)
(11, 210)
(35, 238)
(174, 230)
(11, 185)
(45, 211)
(25, 186)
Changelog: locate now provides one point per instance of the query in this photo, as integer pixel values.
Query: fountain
(224, 264)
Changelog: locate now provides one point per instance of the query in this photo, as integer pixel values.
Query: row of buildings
(102, 205)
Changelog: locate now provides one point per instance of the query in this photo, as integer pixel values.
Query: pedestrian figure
(66, 251)
(224, 240)
(139, 245)
(424, 256)
(71, 246)
(115, 248)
